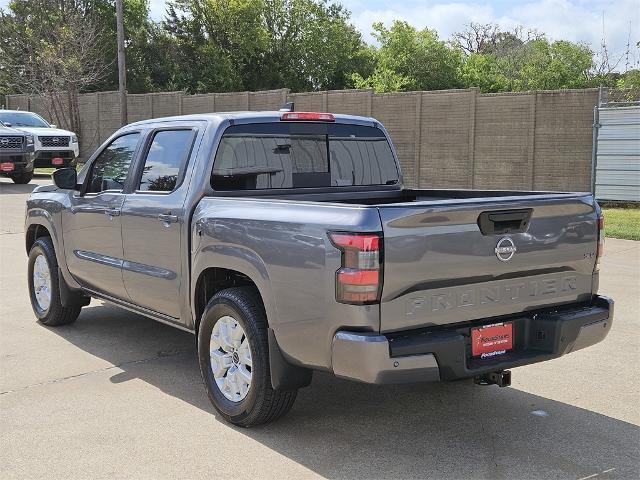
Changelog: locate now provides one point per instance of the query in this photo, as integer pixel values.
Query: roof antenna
(287, 107)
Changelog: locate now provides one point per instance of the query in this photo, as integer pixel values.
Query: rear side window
(165, 160)
(302, 155)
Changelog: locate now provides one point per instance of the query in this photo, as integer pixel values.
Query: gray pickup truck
(286, 242)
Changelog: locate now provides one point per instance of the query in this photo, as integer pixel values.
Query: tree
(523, 59)
(310, 46)
(629, 85)
(138, 49)
(554, 65)
(263, 44)
(489, 38)
(410, 59)
(54, 50)
(483, 71)
(477, 37)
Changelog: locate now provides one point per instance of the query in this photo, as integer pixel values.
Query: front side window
(167, 154)
(302, 155)
(110, 168)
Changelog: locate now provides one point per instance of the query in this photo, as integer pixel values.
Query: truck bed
(440, 262)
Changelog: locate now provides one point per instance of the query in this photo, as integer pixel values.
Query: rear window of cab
(284, 155)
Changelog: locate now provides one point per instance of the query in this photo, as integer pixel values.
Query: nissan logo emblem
(505, 249)
(54, 139)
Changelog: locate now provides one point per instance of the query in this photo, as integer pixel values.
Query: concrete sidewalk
(116, 395)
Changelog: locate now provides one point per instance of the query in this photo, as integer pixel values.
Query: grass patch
(622, 223)
(50, 170)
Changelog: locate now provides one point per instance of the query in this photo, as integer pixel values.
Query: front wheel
(44, 289)
(233, 353)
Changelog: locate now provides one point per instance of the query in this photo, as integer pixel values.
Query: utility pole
(122, 72)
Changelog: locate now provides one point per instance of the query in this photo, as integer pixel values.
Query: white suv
(54, 147)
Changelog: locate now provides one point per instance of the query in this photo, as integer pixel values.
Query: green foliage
(549, 66)
(629, 85)
(483, 71)
(232, 45)
(262, 44)
(411, 59)
(55, 50)
(534, 65)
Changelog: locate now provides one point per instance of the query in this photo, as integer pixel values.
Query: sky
(575, 20)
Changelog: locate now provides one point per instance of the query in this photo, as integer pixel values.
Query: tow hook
(502, 378)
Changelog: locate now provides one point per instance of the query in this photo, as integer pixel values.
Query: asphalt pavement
(117, 395)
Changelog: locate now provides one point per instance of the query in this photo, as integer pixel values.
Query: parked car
(287, 243)
(16, 155)
(54, 147)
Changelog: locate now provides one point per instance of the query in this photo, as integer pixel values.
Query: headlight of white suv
(74, 138)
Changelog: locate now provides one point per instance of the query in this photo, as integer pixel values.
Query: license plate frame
(492, 340)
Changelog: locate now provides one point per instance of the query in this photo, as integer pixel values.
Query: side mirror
(66, 178)
(52, 125)
(8, 124)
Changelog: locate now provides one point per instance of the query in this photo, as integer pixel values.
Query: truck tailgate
(440, 268)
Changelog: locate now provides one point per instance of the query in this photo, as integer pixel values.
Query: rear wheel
(44, 290)
(22, 178)
(233, 353)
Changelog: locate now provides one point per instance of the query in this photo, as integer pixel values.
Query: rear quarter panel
(284, 248)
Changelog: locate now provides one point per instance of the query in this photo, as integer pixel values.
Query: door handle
(167, 218)
(112, 212)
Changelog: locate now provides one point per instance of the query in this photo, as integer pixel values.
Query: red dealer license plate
(491, 340)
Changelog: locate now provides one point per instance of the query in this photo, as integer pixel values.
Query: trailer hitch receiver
(502, 378)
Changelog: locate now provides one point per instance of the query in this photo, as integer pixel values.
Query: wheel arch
(210, 281)
(34, 232)
(284, 375)
(39, 226)
(242, 265)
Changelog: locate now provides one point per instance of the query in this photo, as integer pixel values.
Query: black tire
(262, 403)
(55, 314)
(22, 178)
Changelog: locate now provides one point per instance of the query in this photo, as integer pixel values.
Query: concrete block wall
(399, 114)
(89, 136)
(503, 129)
(203, 103)
(446, 123)
(444, 139)
(563, 139)
(309, 102)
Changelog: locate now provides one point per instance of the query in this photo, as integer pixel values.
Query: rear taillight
(358, 280)
(600, 250)
(308, 116)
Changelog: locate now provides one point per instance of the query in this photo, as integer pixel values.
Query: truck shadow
(341, 429)
(7, 187)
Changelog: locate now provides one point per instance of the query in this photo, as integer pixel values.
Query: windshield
(23, 119)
